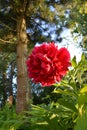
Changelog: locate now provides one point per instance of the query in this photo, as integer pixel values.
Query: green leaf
(74, 63)
(82, 99)
(81, 123)
(67, 104)
(84, 89)
(82, 96)
(83, 57)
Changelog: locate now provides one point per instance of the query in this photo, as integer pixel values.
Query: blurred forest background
(23, 23)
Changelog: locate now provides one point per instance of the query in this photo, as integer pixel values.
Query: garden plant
(50, 66)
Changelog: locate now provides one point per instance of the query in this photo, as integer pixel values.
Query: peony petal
(47, 64)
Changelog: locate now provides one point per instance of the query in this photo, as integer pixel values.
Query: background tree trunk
(10, 98)
(4, 89)
(22, 80)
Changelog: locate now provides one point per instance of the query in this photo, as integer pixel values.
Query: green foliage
(49, 117)
(9, 119)
(78, 18)
(39, 20)
(81, 122)
(67, 112)
(7, 73)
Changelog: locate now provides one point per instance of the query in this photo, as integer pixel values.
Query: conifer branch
(6, 26)
(4, 41)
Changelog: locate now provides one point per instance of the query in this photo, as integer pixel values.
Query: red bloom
(47, 64)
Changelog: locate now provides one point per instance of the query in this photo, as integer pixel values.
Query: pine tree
(22, 24)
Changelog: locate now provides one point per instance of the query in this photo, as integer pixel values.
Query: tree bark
(10, 98)
(22, 80)
(4, 89)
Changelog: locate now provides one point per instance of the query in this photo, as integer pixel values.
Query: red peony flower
(47, 64)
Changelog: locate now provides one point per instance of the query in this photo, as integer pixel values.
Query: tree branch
(6, 26)
(4, 41)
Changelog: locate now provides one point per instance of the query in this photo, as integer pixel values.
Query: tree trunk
(10, 98)
(22, 80)
(4, 89)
